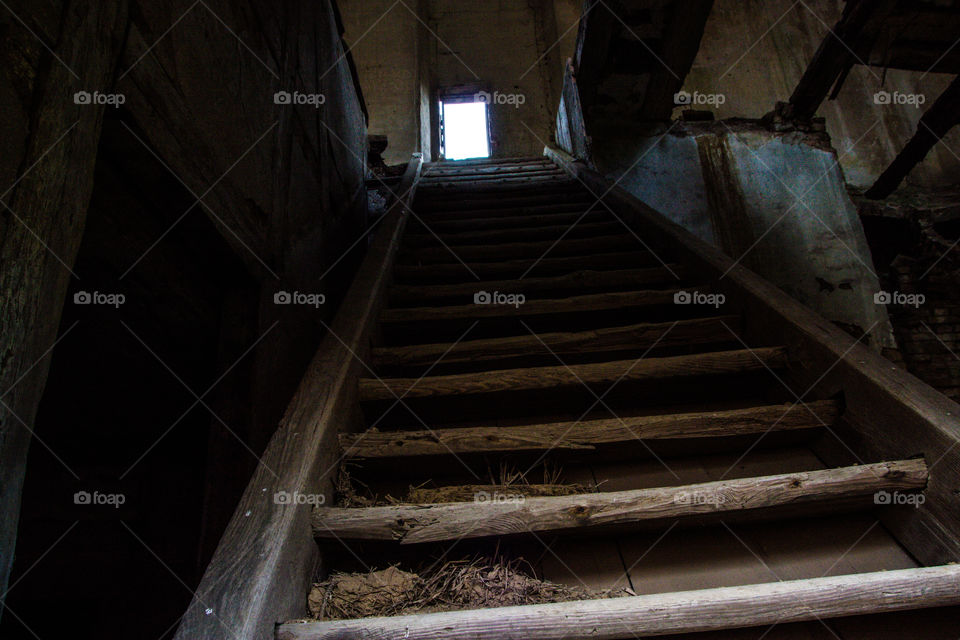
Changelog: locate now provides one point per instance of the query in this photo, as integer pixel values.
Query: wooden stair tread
(696, 331)
(716, 609)
(431, 179)
(412, 524)
(553, 232)
(532, 378)
(588, 433)
(517, 267)
(622, 278)
(531, 250)
(572, 304)
(520, 218)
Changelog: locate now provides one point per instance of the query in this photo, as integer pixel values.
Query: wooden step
(482, 162)
(519, 250)
(605, 373)
(693, 332)
(552, 306)
(483, 177)
(661, 614)
(428, 189)
(412, 524)
(589, 433)
(517, 268)
(546, 232)
(522, 218)
(490, 168)
(518, 195)
(581, 281)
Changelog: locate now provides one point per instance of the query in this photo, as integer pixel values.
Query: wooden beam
(701, 364)
(531, 250)
(660, 614)
(581, 281)
(681, 42)
(697, 331)
(573, 304)
(942, 116)
(839, 49)
(516, 268)
(413, 524)
(589, 433)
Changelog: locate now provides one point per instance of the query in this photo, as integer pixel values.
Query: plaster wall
(777, 203)
(754, 52)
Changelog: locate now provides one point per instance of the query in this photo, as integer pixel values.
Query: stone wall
(913, 237)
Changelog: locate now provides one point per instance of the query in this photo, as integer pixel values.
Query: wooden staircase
(750, 471)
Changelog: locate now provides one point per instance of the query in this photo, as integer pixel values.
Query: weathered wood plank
(697, 331)
(50, 146)
(756, 605)
(494, 184)
(412, 524)
(517, 268)
(549, 232)
(516, 195)
(587, 434)
(523, 217)
(573, 304)
(729, 362)
(531, 250)
(499, 176)
(581, 281)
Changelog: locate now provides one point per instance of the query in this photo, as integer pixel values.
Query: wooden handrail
(888, 411)
(268, 546)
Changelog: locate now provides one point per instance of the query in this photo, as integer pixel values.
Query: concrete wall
(754, 53)
(775, 202)
(513, 47)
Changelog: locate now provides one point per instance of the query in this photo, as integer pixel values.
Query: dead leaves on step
(476, 584)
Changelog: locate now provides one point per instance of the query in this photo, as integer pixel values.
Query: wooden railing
(260, 572)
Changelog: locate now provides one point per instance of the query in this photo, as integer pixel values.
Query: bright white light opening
(465, 130)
